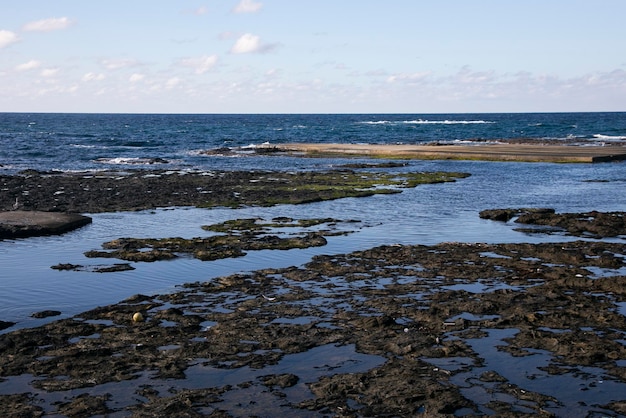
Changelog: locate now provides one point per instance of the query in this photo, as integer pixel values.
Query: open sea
(103, 141)
(428, 214)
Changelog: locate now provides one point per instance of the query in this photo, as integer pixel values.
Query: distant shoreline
(491, 152)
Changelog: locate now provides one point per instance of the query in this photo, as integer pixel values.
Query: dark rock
(114, 191)
(286, 380)
(592, 224)
(113, 268)
(505, 215)
(502, 215)
(6, 324)
(412, 333)
(45, 314)
(19, 224)
(67, 266)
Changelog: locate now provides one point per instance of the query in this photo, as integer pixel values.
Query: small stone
(137, 317)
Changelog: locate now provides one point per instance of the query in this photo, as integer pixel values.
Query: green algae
(145, 190)
(310, 187)
(254, 226)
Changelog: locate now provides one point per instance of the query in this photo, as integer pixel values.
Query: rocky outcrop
(592, 224)
(18, 224)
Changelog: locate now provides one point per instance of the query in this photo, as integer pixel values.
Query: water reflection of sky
(428, 214)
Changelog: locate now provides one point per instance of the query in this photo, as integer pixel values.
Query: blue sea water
(103, 141)
(428, 214)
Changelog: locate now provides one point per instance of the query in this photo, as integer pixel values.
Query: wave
(88, 146)
(121, 146)
(131, 161)
(609, 137)
(427, 122)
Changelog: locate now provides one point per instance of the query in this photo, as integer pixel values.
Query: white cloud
(407, 78)
(200, 64)
(172, 82)
(47, 25)
(93, 77)
(116, 64)
(136, 77)
(273, 72)
(248, 6)
(467, 76)
(226, 36)
(49, 72)
(248, 43)
(201, 11)
(30, 65)
(7, 38)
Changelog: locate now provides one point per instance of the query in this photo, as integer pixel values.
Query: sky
(312, 56)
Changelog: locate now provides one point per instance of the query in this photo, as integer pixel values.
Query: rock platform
(22, 223)
(486, 152)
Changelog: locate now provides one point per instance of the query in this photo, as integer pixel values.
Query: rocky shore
(140, 190)
(445, 330)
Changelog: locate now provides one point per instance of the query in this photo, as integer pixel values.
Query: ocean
(76, 142)
(428, 214)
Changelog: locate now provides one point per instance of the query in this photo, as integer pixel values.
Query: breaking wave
(426, 122)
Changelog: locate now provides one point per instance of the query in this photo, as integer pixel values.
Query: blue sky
(316, 56)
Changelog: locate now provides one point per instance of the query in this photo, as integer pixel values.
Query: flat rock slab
(19, 223)
(489, 152)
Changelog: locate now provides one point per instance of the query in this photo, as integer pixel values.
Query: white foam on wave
(130, 161)
(427, 122)
(88, 146)
(609, 137)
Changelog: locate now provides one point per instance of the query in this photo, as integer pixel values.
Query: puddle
(206, 325)
(555, 330)
(301, 320)
(481, 287)
(598, 272)
(493, 255)
(246, 396)
(451, 364)
(105, 322)
(471, 317)
(84, 337)
(579, 389)
(168, 347)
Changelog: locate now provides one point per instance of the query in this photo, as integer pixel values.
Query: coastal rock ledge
(19, 223)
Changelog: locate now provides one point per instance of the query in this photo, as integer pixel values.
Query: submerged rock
(46, 314)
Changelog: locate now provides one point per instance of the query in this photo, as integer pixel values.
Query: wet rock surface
(45, 314)
(450, 329)
(137, 190)
(236, 237)
(6, 324)
(444, 330)
(588, 224)
(20, 224)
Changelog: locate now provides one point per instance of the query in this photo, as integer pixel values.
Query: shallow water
(249, 398)
(428, 214)
(580, 392)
